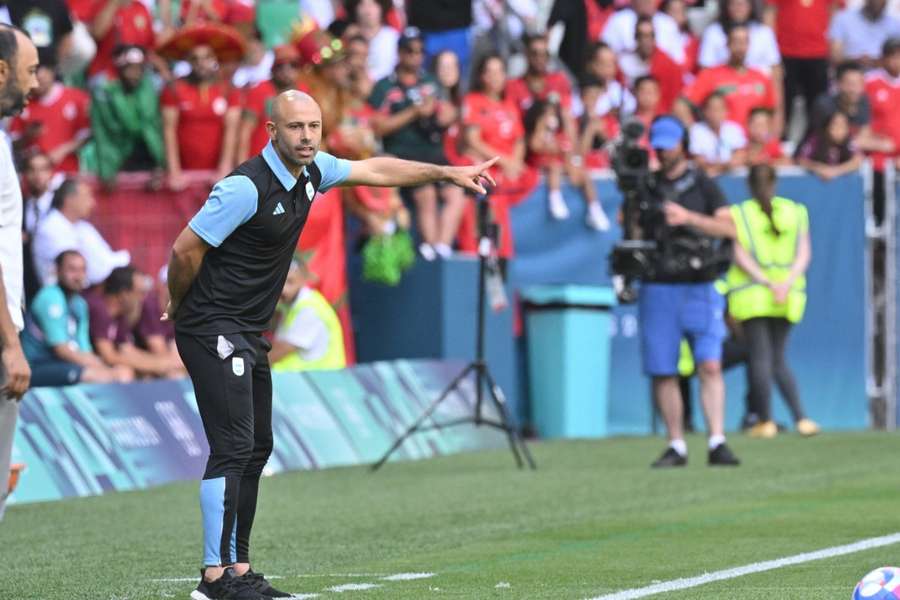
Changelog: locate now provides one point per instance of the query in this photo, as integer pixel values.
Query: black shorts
(233, 386)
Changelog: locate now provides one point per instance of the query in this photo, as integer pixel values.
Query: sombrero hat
(226, 42)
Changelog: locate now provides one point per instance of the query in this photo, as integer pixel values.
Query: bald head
(18, 69)
(292, 102)
(295, 129)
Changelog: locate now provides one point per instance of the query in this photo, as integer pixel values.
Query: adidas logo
(279, 209)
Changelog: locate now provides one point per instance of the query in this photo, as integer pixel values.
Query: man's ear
(4, 71)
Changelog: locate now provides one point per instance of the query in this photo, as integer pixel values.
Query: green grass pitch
(594, 519)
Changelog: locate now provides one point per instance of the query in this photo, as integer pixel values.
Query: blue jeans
(671, 312)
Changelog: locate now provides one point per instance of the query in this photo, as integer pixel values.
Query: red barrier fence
(145, 221)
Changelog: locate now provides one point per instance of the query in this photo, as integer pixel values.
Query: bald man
(227, 270)
(18, 80)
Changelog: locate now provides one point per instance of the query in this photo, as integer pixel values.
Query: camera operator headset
(678, 299)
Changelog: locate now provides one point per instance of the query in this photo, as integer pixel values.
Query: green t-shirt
(53, 320)
(420, 140)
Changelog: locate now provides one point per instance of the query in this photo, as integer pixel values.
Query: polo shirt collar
(281, 172)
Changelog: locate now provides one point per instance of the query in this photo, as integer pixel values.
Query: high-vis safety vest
(775, 254)
(334, 357)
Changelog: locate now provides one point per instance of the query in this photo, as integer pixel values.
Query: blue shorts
(671, 312)
(53, 372)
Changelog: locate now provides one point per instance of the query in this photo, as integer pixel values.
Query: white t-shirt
(253, 74)
(619, 34)
(716, 148)
(383, 53)
(763, 53)
(615, 97)
(11, 233)
(55, 233)
(307, 332)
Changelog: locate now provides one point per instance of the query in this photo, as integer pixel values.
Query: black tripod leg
(516, 443)
(425, 415)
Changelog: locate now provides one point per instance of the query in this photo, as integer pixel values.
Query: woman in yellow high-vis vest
(767, 293)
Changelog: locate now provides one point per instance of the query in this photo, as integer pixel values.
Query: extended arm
(187, 256)
(393, 172)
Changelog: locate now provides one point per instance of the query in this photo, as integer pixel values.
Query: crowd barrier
(827, 349)
(89, 439)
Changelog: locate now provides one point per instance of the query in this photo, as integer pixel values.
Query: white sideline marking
(407, 576)
(690, 582)
(352, 587)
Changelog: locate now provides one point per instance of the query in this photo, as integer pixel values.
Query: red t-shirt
(258, 102)
(498, 121)
(884, 97)
(670, 76)
(80, 9)
(802, 26)
(743, 90)
(132, 24)
(63, 115)
(518, 92)
(201, 121)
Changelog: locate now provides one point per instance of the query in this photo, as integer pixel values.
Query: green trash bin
(568, 348)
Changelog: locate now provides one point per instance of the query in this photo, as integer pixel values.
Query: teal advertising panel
(90, 439)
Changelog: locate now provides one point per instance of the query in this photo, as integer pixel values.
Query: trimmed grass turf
(594, 519)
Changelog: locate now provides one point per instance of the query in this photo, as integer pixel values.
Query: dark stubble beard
(12, 99)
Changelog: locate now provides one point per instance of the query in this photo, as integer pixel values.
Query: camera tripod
(484, 381)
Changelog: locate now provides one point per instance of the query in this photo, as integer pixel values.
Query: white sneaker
(558, 208)
(443, 250)
(427, 251)
(596, 218)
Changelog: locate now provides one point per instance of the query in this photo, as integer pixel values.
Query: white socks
(558, 208)
(596, 218)
(679, 446)
(443, 250)
(715, 441)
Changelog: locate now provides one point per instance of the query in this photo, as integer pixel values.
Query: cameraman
(680, 301)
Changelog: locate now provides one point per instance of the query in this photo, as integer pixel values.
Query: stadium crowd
(177, 88)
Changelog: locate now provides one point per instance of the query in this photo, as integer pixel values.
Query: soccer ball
(880, 584)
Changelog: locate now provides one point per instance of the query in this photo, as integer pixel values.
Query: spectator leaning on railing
(56, 337)
(125, 118)
(114, 307)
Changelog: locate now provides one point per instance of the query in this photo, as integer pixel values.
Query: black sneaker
(722, 456)
(259, 583)
(227, 587)
(670, 458)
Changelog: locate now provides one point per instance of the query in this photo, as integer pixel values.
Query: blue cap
(666, 133)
